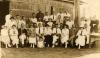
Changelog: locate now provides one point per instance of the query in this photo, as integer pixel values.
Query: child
(65, 35)
(40, 43)
(80, 41)
(32, 37)
(22, 38)
(5, 36)
(14, 36)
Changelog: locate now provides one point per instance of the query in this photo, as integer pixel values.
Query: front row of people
(41, 36)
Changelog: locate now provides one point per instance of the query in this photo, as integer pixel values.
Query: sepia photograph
(49, 28)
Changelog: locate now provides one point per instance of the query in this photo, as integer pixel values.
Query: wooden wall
(27, 7)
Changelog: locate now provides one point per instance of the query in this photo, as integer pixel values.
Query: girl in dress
(40, 43)
(80, 41)
(32, 37)
(65, 35)
(5, 36)
(14, 36)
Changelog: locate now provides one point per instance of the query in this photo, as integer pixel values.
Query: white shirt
(41, 30)
(65, 32)
(48, 31)
(34, 20)
(20, 22)
(13, 32)
(70, 24)
(7, 18)
(23, 36)
(4, 32)
(46, 18)
(82, 32)
(50, 24)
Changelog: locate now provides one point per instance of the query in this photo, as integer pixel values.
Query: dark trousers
(48, 40)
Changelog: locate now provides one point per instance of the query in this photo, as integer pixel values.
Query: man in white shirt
(48, 36)
(7, 17)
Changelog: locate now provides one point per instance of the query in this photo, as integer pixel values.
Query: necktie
(39, 30)
(81, 32)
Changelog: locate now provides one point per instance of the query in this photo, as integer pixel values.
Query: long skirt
(5, 39)
(64, 39)
(40, 44)
(80, 41)
(32, 40)
(15, 39)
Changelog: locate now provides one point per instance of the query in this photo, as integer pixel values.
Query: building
(27, 7)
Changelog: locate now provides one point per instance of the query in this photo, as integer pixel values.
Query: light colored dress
(4, 36)
(14, 36)
(81, 37)
(64, 35)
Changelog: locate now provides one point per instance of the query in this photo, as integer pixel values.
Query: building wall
(27, 7)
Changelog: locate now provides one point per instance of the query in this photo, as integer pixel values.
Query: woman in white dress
(14, 36)
(65, 35)
(5, 36)
(80, 41)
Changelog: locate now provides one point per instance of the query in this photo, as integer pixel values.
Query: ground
(47, 52)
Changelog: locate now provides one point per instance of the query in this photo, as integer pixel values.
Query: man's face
(11, 12)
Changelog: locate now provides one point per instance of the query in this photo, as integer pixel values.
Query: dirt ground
(47, 52)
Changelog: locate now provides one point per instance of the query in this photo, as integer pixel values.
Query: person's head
(23, 18)
(39, 11)
(49, 19)
(59, 16)
(33, 15)
(40, 25)
(81, 28)
(66, 26)
(13, 26)
(12, 18)
(17, 16)
(10, 12)
(46, 13)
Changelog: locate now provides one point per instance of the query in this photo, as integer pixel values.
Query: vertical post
(77, 12)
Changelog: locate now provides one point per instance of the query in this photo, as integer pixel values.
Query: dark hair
(12, 18)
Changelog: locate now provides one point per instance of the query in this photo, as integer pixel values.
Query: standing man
(40, 16)
(7, 17)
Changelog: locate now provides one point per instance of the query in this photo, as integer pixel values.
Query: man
(48, 36)
(40, 16)
(33, 19)
(7, 17)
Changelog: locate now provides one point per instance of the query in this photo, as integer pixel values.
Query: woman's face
(59, 17)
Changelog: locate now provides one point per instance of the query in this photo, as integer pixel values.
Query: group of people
(44, 31)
